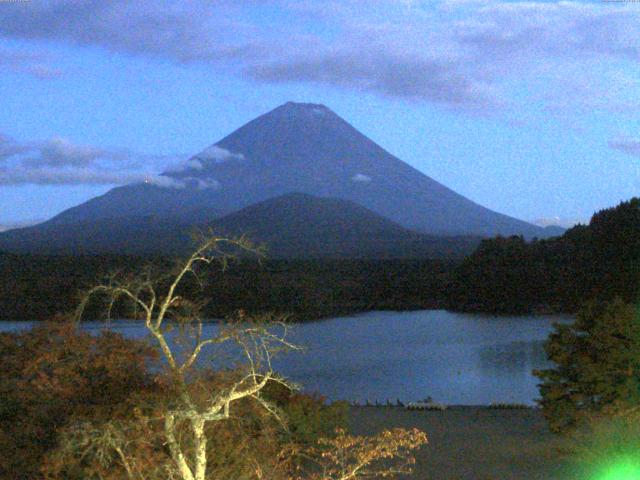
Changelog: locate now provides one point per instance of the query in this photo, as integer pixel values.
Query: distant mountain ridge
(291, 226)
(296, 147)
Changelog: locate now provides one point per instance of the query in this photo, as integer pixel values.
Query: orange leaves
(53, 374)
(385, 455)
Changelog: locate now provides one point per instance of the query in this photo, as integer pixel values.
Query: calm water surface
(454, 358)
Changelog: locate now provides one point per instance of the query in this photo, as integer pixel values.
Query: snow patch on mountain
(361, 178)
(213, 154)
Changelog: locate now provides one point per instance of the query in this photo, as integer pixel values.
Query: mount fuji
(296, 148)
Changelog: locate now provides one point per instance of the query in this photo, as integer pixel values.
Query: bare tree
(156, 300)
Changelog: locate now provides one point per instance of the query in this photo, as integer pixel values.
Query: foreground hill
(294, 148)
(291, 226)
(303, 226)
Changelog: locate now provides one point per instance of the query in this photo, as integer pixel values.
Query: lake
(455, 358)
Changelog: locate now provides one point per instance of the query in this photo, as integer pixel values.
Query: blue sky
(528, 108)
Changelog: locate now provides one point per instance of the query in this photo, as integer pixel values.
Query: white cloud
(60, 161)
(626, 145)
(558, 222)
(10, 147)
(218, 154)
(206, 183)
(194, 164)
(465, 54)
(92, 176)
(59, 151)
(162, 181)
(37, 65)
(182, 166)
(56, 176)
(213, 154)
(469, 55)
(183, 31)
(360, 178)
(10, 226)
(181, 182)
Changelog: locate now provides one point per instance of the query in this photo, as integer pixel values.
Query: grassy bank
(474, 443)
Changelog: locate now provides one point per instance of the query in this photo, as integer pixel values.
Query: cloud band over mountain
(459, 54)
(58, 161)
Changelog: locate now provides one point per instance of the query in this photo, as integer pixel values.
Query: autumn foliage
(55, 374)
(77, 406)
(347, 457)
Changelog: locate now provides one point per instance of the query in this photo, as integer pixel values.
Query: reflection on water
(513, 358)
(454, 358)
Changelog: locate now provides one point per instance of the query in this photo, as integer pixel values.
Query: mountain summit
(307, 148)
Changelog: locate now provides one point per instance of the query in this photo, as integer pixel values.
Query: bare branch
(160, 299)
(196, 351)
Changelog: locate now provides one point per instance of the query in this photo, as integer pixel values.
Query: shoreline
(491, 406)
(297, 319)
(474, 442)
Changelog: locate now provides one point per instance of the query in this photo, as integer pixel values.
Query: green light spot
(623, 469)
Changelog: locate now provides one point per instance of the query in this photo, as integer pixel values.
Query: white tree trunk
(200, 441)
(175, 450)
